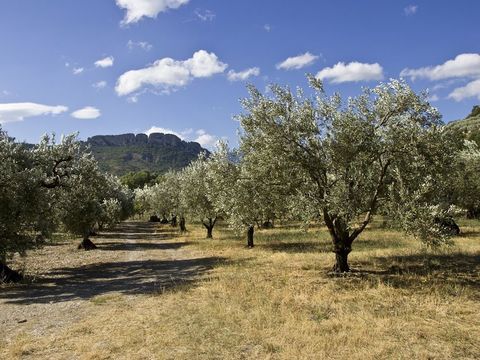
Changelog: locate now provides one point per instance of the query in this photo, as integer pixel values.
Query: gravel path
(136, 259)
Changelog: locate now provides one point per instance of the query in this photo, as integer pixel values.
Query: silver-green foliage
(346, 159)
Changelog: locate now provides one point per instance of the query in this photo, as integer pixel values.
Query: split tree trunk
(209, 227)
(87, 244)
(250, 232)
(8, 275)
(341, 240)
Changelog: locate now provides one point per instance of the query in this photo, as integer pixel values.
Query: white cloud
(297, 62)
(206, 15)
(87, 112)
(433, 98)
(205, 140)
(243, 75)
(105, 62)
(168, 73)
(354, 71)
(472, 89)
(267, 27)
(464, 65)
(157, 129)
(410, 10)
(144, 45)
(77, 71)
(19, 111)
(137, 9)
(100, 84)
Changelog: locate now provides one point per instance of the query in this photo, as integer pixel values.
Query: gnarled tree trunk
(341, 263)
(250, 232)
(209, 226)
(341, 241)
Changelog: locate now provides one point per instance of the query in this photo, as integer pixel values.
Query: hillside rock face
(158, 152)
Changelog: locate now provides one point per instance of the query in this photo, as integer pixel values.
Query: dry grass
(277, 301)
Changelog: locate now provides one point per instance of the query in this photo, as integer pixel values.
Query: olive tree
(19, 203)
(466, 180)
(195, 196)
(31, 179)
(80, 207)
(347, 158)
(239, 191)
(163, 198)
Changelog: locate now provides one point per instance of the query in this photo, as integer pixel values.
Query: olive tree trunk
(174, 221)
(9, 275)
(86, 243)
(341, 241)
(183, 228)
(209, 226)
(250, 231)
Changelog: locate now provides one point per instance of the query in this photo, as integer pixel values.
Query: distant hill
(120, 154)
(470, 126)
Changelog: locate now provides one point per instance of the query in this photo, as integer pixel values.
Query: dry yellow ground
(277, 301)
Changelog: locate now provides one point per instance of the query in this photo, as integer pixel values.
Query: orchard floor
(148, 292)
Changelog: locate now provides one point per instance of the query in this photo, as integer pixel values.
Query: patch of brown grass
(277, 301)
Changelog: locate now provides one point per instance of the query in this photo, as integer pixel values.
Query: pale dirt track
(135, 259)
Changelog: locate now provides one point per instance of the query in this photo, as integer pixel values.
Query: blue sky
(118, 66)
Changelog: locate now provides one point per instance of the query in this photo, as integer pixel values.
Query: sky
(181, 66)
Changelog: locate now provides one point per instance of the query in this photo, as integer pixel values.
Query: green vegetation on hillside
(470, 126)
(120, 154)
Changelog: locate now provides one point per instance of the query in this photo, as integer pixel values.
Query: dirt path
(136, 259)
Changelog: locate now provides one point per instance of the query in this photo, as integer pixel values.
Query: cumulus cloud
(472, 89)
(87, 112)
(410, 10)
(354, 71)
(205, 15)
(100, 84)
(464, 65)
(297, 62)
(205, 139)
(137, 9)
(157, 129)
(77, 71)
(144, 45)
(19, 111)
(105, 62)
(168, 73)
(243, 75)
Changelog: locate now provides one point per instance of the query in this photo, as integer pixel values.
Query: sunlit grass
(278, 301)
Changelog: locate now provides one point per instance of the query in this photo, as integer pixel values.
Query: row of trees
(53, 186)
(303, 157)
(317, 157)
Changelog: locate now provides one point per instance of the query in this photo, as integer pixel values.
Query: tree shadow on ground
(139, 231)
(469, 234)
(296, 247)
(422, 271)
(128, 277)
(139, 246)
